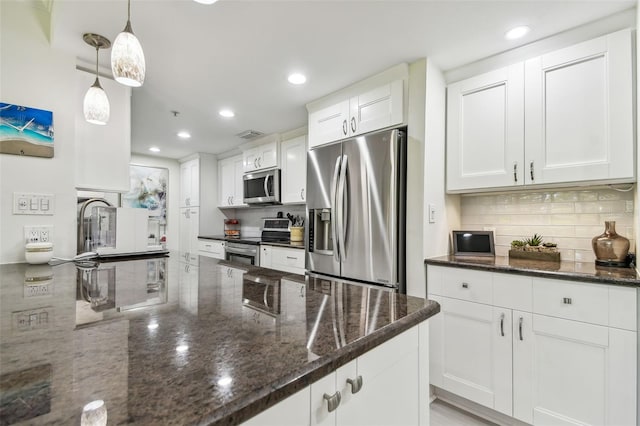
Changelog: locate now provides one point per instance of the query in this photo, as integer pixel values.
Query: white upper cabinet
(485, 124)
(264, 156)
(103, 153)
(190, 183)
(294, 170)
(579, 112)
(563, 117)
(368, 111)
(231, 189)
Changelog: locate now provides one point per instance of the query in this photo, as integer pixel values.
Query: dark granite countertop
(574, 271)
(161, 341)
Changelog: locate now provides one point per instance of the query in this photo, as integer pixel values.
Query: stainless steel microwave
(262, 187)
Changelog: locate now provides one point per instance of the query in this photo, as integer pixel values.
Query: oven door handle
(235, 250)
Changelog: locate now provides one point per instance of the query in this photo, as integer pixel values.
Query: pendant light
(96, 104)
(127, 58)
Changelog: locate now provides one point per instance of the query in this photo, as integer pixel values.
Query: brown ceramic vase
(609, 246)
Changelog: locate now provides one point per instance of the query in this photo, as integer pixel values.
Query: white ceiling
(237, 54)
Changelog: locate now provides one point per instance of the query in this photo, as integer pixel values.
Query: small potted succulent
(534, 248)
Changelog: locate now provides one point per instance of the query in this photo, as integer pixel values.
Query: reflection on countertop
(161, 341)
(575, 271)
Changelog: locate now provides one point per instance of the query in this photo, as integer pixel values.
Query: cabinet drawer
(574, 301)
(212, 248)
(289, 260)
(467, 284)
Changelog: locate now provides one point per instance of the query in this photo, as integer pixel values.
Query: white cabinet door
(393, 365)
(190, 183)
(293, 411)
(575, 373)
(264, 156)
(188, 231)
(471, 354)
(329, 124)
(231, 185)
(376, 109)
(265, 256)
(103, 153)
(579, 112)
(485, 130)
(294, 170)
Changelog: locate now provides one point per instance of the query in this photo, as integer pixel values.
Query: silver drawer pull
(356, 384)
(292, 258)
(566, 300)
(515, 172)
(502, 324)
(332, 400)
(465, 285)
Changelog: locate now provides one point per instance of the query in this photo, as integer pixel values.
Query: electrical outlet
(38, 234)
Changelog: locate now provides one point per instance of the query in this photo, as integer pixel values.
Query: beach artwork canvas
(148, 190)
(26, 131)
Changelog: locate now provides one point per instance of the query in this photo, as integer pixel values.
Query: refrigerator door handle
(334, 206)
(343, 200)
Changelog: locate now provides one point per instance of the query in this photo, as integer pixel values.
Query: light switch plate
(432, 213)
(28, 203)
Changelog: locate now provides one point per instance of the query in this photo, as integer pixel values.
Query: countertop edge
(263, 398)
(570, 276)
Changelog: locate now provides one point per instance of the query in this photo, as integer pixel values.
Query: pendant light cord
(128, 10)
(97, 50)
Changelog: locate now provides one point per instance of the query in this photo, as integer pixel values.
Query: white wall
(173, 192)
(32, 74)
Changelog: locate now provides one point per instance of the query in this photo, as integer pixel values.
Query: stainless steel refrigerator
(356, 209)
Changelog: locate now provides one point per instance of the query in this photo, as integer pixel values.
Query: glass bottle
(609, 246)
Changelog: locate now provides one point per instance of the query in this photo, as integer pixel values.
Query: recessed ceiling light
(154, 149)
(297, 78)
(206, 1)
(516, 32)
(227, 113)
(184, 134)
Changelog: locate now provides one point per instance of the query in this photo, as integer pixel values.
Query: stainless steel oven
(243, 253)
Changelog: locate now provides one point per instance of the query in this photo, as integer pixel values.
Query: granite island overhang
(162, 341)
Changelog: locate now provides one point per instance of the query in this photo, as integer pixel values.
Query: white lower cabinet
(385, 386)
(544, 351)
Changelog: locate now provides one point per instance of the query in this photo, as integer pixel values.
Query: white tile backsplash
(570, 218)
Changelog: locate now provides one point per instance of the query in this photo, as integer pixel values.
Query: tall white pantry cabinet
(541, 350)
(198, 199)
(562, 117)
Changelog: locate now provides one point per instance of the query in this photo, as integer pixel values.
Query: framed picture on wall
(148, 191)
(26, 131)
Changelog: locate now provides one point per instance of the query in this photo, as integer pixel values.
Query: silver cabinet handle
(302, 194)
(531, 171)
(465, 285)
(502, 324)
(520, 327)
(333, 401)
(259, 161)
(187, 201)
(353, 124)
(515, 172)
(344, 127)
(567, 300)
(232, 199)
(356, 384)
(255, 163)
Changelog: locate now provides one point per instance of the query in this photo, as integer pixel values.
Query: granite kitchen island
(162, 341)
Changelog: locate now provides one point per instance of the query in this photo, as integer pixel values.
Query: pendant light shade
(96, 103)
(127, 57)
